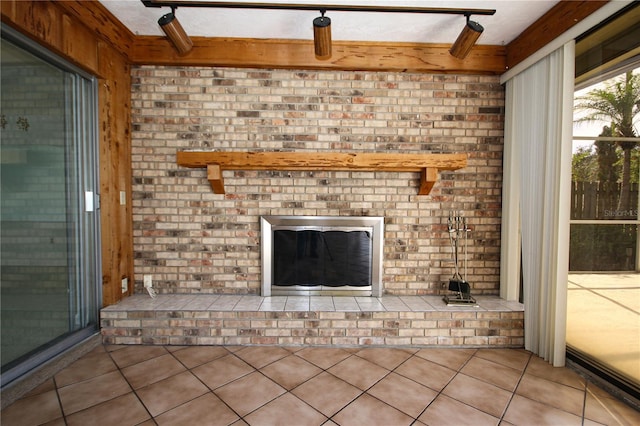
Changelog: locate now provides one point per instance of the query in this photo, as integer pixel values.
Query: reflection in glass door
(49, 226)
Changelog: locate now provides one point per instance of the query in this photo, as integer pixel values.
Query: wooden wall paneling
(561, 17)
(38, 20)
(101, 22)
(122, 139)
(78, 42)
(299, 54)
(115, 173)
(8, 8)
(109, 216)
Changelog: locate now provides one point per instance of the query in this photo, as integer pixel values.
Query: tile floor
(269, 385)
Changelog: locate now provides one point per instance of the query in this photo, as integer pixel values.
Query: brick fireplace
(193, 241)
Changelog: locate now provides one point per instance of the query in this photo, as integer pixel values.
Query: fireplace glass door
(317, 257)
(322, 255)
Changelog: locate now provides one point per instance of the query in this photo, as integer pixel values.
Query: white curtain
(536, 198)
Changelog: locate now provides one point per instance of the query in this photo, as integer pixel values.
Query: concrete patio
(603, 319)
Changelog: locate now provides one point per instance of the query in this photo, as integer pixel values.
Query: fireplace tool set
(459, 288)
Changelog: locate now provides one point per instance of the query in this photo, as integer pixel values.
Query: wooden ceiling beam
(299, 54)
(557, 20)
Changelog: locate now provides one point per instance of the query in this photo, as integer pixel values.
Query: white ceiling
(510, 19)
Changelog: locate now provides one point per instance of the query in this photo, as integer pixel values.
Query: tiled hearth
(312, 320)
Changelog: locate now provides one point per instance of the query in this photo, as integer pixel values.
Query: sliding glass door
(49, 224)
(603, 301)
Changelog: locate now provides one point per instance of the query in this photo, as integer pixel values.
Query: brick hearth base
(322, 320)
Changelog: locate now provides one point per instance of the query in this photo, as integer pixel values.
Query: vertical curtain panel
(538, 132)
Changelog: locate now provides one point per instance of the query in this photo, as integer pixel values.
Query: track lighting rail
(173, 4)
(321, 26)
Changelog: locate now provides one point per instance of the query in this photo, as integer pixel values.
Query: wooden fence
(595, 200)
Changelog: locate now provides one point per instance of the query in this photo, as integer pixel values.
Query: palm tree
(618, 103)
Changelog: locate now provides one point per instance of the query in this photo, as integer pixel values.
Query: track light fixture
(175, 33)
(466, 40)
(322, 36)
(321, 25)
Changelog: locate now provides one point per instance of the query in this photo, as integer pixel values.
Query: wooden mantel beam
(216, 162)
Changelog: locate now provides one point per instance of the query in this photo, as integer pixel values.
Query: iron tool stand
(459, 288)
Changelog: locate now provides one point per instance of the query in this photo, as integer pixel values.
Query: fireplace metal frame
(375, 224)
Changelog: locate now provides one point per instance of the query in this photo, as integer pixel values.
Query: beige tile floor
(270, 385)
(603, 319)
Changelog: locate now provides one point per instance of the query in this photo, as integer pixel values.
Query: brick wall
(194, 241)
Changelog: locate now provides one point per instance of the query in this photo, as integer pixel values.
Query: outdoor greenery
(602, 162)
(605, 179)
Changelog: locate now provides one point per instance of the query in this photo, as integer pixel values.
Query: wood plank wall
(102, 52)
